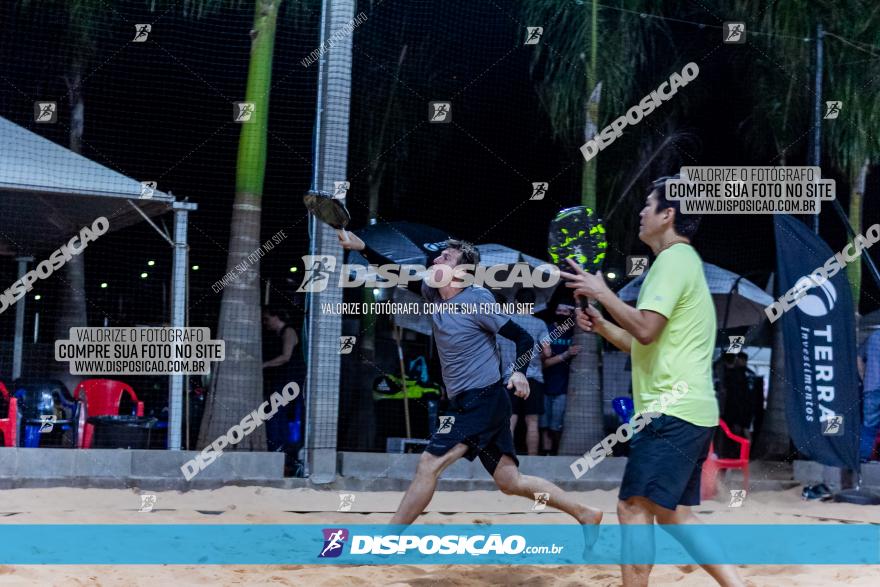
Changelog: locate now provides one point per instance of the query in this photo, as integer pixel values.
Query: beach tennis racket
(329, 210)
(578, 234)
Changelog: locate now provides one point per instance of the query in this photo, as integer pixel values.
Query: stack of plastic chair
(104, 398)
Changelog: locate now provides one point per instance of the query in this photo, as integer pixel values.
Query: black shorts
(532, 405)
(666, 461)
(482, 422)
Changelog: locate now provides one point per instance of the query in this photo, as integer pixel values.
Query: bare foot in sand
(589, 518)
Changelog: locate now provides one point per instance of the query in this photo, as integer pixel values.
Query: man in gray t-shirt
(465, 340)
(477, 422)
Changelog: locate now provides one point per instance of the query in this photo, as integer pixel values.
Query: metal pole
(18, 346)
(179, 268)
(816, 146)
(329, 164)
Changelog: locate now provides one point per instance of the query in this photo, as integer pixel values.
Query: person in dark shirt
(556, 369)
(283, 364)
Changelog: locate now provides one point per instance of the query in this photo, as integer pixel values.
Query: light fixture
(103, 285)
(293, 269)
(144, 275)
(195, 267)
(150, 263)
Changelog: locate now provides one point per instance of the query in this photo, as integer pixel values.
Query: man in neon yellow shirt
(670, 335)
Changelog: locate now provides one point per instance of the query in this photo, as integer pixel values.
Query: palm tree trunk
(773, 442)
(583, 425)
(857, 192)
(238, 385)
(73, 303)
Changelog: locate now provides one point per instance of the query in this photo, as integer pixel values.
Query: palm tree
(572, 85)
(784, 101)
(238, 383)
(84, 18)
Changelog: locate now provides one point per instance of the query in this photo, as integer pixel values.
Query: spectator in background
(556, 367)
(283, 364)
(868, 362)
(755, 394)
(533, 406)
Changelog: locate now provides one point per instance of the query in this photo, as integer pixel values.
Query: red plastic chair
(713, 464)
(9, 424)
(103, 398)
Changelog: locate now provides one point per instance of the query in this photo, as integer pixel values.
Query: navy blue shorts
(480, 419)
(666, 461)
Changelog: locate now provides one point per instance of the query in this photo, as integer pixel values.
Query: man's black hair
(278, 311)
(685, 225)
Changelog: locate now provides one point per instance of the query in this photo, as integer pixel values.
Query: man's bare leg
(546, 441)
(421, 490)
(513, 420)
(511, 482)
(532, 434)
(726, 575)
(635, 510)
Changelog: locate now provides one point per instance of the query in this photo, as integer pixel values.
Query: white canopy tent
(48, 192)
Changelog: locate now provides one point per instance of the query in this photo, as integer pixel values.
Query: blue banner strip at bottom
(528, 544)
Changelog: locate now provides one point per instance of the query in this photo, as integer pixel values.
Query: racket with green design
(578, 234)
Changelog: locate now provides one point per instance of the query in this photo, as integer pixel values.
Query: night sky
(162, 110)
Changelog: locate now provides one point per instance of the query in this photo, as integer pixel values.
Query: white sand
(240, 505)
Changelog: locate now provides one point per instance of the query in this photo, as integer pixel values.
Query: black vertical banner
(820, 348)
